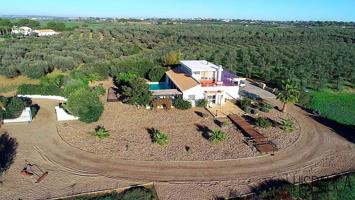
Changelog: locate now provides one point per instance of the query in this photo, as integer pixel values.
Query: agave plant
(287, 125)
(216, 136)
(160, 137)
(101, 132)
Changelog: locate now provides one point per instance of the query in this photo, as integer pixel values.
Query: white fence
(59, 98)
(64, 116)
(25, 116)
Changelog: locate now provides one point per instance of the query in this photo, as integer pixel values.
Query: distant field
(90, 25)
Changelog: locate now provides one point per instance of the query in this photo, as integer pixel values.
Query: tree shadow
(151, 132)
(8, 149)
(204, 130)
(345, 131)
(251, 120)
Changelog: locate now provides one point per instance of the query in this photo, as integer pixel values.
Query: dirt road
(315, 144)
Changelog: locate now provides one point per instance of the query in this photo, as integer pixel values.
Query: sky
(283, 10)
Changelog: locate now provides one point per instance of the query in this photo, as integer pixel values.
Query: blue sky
(338, 10)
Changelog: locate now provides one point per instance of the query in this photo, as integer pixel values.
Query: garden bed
(129, 135)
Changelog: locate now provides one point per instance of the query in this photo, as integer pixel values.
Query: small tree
(85, 104)
(202, 103)
(288, 94)
(160, 138)
(137, 92)
(156, 74)
(216, 136)
(172, 58)
(287, 125)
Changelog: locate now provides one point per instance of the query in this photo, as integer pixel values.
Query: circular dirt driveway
(316, 143)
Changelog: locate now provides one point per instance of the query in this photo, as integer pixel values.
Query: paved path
(251, 90)
(315, 142)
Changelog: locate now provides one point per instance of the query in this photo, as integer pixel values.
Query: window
(192, 97)
(197, 73)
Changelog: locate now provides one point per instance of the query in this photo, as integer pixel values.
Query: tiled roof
(181, 79)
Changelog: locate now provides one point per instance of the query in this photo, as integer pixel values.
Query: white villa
(21, 30)
(45, 32)
(196, 80)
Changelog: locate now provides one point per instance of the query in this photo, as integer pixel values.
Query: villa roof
(200, 65)
(44, 30)
(182, 80)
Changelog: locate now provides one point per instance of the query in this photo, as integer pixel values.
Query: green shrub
(136, 92)
(160, 138)
(216, 136)
(263, 122)
(99, 90)
(30, 89)
(101, 132)
(74, 85)
(182, 104)
(14, 108)
(287, 125)
(85, 104)
(156, 74)
(202, 103)
(264, 109)
(304, 99)
(34, 110)
(124, 78)
(245, 102)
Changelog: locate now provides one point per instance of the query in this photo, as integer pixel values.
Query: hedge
(29, 89)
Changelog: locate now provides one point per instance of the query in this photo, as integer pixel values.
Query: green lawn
(337, 106)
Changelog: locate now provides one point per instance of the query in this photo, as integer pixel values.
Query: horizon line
(151, 17)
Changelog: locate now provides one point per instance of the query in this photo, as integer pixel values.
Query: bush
(216, 136)
(160, 138)
(85, 104)
(245, 102)
(263, 122)
(182, 104)
(101, 132)
(202, 103)
(14, 108)
(304, 99)
(287, 125)
(99, 90)
(156, 74)
(34, 110)
(30, 89)
(74, 85)
(136, 92)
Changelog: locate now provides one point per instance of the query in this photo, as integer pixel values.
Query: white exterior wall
(230, 92)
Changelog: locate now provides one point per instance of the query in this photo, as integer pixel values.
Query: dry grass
(10, 84)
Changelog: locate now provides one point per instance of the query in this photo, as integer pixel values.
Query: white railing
(59, 98)
(25, 116)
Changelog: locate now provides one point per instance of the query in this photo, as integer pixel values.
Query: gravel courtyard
(129, 137)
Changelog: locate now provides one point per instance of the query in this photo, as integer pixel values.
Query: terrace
(227, 79)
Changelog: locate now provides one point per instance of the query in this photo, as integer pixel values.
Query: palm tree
(289, 94)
